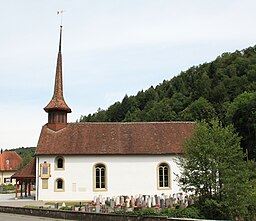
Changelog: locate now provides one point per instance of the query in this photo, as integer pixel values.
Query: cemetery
(142, 205)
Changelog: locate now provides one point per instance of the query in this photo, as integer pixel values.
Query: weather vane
(60, 12)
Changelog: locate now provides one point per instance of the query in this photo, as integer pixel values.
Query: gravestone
(122, 200)
(97, 201)
(100, 198)
(153, 200)
(87, 207)
(127, 203)
(149, 202)
(132, 202)
(162, 204)
(112, 203)
(117, 200)
(143, 203)
(97, 208)
(158, 201)
(103, 201)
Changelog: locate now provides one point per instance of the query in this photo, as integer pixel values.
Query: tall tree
(242, 113)
(214, 170)
(200, 109)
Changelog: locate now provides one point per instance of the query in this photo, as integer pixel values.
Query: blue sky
(110, 48)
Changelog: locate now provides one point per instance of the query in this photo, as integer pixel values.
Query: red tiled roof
(28, 171)
(9, 161)
(115, 138)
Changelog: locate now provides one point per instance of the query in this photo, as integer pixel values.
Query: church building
(77, 161)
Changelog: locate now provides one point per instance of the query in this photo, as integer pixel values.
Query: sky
(110, 48)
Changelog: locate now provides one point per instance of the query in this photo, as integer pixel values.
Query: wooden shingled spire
(57, 108)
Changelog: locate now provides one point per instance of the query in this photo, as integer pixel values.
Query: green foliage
(190, 212)
(200, 109)
(31, 207)
(215, 171)
(66, 208)
(242, 113)
(8, 187)
(201, 92)
(145, 212)
(26, 154)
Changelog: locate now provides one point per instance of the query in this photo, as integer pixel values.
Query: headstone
(143, 203)
(127, 203)
(103, 209)
(174, 199)
(137, 202)
(149, 202)
(87, 207)
(117, 200)
(82, 209)
(182, 205)
(112, 203)
(116, 209)
(185, 200)
(122, 200)
(171, 202)
(123, 209)
(158, 201)
(132, 202)
(97, 208)
(168, 203)
(100, 198)
(162, 204)
(97, 201)
(153, 200)
(190, 201)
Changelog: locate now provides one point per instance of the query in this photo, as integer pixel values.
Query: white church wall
(125, 175)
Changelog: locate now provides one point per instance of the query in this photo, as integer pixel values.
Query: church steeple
(57, 108)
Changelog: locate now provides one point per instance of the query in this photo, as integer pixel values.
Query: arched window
(100, 177)
(59, 163)
(163, 176)
(59, 185)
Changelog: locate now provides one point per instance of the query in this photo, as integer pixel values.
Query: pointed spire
(57, 102)
(60, 38)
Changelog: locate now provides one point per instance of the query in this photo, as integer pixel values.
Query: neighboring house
(9, 164)
(77, 161)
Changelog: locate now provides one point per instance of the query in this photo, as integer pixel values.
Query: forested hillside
(224, 88)
(26, 153)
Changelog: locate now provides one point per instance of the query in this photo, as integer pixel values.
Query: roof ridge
(161, 122)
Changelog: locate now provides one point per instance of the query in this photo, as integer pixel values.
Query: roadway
(15, 217)
(9, 200)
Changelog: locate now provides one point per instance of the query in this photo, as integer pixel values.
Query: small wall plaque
(45, 170)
